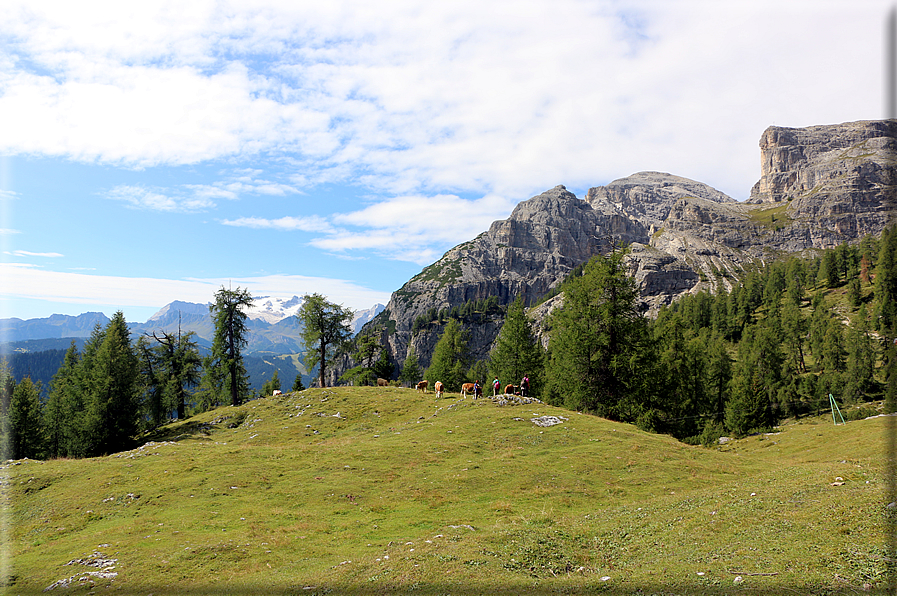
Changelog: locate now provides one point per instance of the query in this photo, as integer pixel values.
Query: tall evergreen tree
(113, 408)
(179, 368)
(411, 369)
(383, 368)
(271, 385)
(834, 354)
(719, 375)
(756, 382)
(7, 385)
(326, 329)
(886, 283)
(860, 373)
(450, 357)
(25, 429)
(225, 374)
(153, 384)
(517, 352)
(794, 330)
(596, 338)
(297, 383)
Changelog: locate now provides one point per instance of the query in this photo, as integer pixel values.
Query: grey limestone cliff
(819, 187)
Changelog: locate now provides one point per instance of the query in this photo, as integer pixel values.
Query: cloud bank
(416, 97)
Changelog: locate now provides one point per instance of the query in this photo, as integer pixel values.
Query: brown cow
(510, 389)
(382, 382)
(422, 386)
(471, 388)
(439, 387)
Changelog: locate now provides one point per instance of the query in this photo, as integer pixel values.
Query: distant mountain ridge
(273, 326)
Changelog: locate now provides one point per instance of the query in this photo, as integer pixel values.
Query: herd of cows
(475, 388)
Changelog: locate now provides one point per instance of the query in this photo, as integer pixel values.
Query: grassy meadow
(385, 490)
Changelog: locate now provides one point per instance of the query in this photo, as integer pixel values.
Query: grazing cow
(422, 386)
(439, 387)
(277, 392)
(510, 389)
(466, 388)
(382, 382)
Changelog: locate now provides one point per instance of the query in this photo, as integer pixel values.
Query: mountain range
(273, 326)
(819, 187)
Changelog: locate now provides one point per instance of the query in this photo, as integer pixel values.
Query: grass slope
(385, 490)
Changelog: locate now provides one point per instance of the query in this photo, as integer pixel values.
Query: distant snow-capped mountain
(272, 309)
(363, 316)
(273, 323)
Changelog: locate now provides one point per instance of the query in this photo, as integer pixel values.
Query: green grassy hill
(385, 490)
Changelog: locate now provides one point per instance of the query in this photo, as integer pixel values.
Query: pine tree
(860, 373)
(854, 292)
(794, 330)
(153, 382)
(112, 407)
(7, 386)
(756, 382)
(833, 351)
(682, 365)
(25, 429)
(181, 368)
(411, 369)
(297, 383)
(383, 368)
(886, 283)
(517, 352)
(719, 375)
(450, 357)
(326, 330)
(225, 376)
(271, 385)
(596, 338)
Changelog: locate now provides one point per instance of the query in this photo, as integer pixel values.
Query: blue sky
(154, 152)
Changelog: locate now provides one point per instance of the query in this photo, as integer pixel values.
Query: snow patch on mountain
(272, 309)
(363, 316)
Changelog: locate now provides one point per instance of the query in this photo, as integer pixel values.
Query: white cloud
(25, 253)
(304, 224)
(143, 198)
(9, 231)
(27, 281)
(408, 227)
(413, 96)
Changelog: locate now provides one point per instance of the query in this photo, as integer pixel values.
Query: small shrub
(860, 413)
(238, 419)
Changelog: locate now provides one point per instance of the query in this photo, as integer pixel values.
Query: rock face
(833, 179)
(819, 187)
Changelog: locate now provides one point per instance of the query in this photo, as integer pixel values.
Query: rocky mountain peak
(650, 196)
(819, 186)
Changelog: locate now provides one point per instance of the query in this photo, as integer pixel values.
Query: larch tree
(112, 405)
(325, 330)
(596, 340)
(411, 369)
(225, 374)
(297, 383)
(517, 352)
(450, 357)
(24, 428)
